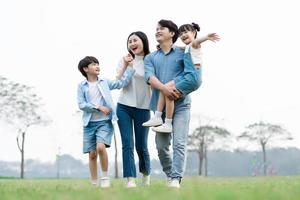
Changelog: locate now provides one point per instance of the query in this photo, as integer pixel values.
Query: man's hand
(104, 109)
(170, 91)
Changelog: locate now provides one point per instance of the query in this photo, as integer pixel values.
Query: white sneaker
(174, 183)
(155, 121)
(131, 184)
(165, 128)
(146, 180)
(94, 183)
(105, 182)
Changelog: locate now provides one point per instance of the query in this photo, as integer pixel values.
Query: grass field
(250, 188)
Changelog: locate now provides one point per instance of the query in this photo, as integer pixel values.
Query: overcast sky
(250, 75)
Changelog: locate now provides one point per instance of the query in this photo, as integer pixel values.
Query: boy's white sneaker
(155, 121)
(174, 183)
(94, 183)
(131, 184)
(165, 128)
(146, 180)
(104, 182)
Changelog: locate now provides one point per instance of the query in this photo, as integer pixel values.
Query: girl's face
(135, 44)
(187, 36)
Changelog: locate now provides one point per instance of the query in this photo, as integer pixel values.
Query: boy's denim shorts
(97, 132)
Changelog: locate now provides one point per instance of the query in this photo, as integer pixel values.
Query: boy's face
(92, 69)
(163, 34)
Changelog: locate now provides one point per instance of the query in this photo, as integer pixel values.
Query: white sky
(250, 75)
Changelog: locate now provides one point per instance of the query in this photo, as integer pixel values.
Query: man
(161, 68)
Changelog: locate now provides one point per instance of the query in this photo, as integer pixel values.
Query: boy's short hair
(171, 26)
(85, 62)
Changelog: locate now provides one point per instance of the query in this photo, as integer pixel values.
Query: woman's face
(187, 36)
(135, 45)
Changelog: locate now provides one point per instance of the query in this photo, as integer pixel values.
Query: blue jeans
(173, 165)
(129, 118)
(191, 79)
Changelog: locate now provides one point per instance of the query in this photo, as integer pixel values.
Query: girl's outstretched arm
(211, 36)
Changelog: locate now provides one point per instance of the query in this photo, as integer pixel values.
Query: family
(159, 81)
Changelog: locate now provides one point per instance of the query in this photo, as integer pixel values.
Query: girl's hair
(171, 26)
(189, 27)
(144, 39)
(85, 62)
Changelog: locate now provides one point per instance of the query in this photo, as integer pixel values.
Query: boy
(95, 100)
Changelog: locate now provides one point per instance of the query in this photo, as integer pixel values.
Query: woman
(133, 110)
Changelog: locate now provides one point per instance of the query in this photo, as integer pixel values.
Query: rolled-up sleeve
(149, 67)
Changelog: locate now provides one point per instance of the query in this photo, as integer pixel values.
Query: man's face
(162, 34)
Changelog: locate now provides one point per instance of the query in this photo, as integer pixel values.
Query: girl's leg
(169, 108)
(157, 120)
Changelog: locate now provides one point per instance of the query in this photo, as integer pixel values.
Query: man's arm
(155, 82)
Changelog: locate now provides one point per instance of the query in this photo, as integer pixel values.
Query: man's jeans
(174, 166)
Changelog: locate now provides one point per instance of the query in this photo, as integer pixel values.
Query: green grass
(249, 188)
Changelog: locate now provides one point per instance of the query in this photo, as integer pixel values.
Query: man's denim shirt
(165, 67)
(104, 86)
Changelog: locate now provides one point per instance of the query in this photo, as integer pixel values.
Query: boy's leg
(101, 149)
(93, 167)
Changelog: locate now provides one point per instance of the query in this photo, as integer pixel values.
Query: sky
(248, 76)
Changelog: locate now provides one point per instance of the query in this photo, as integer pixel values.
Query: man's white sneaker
(104, 182)
(155, 121)
(131, 184)
(174, 183)
(165, 128)
(146, 180)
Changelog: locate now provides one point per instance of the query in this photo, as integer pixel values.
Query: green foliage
(258, 188)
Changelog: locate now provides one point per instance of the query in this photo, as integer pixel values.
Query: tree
(20, 107)
(263, 133)
(201, 138)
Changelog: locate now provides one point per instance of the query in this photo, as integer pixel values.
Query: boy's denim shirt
(104, 86)
(165, 67)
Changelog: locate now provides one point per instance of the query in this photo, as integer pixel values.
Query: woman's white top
(137, 93)
(196, 54)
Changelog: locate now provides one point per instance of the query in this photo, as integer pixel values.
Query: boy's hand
(104, 109)
(213, 37)
(128, 59)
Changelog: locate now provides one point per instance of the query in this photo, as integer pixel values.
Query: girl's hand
(213, 37)
(104, 109)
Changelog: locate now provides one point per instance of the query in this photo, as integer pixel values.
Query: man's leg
(181, 121)
(162, 141)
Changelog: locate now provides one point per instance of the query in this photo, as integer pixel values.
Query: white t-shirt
(137, 93)
(196, 54)
(97, 100)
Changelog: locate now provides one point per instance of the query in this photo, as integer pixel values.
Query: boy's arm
(82, 103)
(211, 36)
(124, 81)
